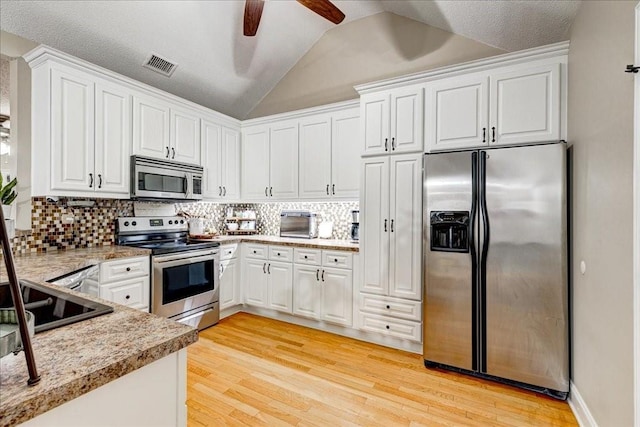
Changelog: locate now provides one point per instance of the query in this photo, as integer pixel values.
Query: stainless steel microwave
(153, 179)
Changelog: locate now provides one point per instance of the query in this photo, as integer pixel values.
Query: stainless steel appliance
(354, 231)
(153, 179)
(184, 275)
(495, 265)
(298, 223)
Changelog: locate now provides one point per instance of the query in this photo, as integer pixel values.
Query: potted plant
(7, 195)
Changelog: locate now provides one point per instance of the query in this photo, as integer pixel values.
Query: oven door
(184, 282)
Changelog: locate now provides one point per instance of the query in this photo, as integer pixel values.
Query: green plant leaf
(7, 195)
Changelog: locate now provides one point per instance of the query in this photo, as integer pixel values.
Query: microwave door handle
(187, 185)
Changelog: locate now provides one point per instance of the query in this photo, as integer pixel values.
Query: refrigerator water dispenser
(450, 231)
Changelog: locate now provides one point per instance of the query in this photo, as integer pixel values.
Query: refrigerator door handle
(474, 258)
(483, 259)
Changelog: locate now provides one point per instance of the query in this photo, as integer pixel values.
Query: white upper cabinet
(163, 130)
(221, 161)
(345, 153)
(518, 104)
(270, 161)
(315, 156)
(392, 121)
(151, 117)
(185, 136)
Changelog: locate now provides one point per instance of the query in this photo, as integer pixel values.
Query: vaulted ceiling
(220, 68)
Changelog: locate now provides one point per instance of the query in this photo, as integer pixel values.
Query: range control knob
(134, 223)
(170, 222)
(126, 223)
(182, 221)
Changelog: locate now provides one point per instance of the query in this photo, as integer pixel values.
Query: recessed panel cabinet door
(456, 113)
(280, 286)
(255, 163)
(374, 112)
(337, 295)
(185, 136)
(255, 282)
(229, 283)
(405, 228)
(212, 160)
(315, 157)
(150, 127)
(72, 131)
(307, 293)
(525, 105)
(374, 225)
(231, 163)
(112, 139)
(283, 161)
(345, 154)
(406, 120)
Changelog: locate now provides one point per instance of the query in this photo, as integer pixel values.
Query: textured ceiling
(220, 68)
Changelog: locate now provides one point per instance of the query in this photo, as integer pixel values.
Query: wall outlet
(67, 219)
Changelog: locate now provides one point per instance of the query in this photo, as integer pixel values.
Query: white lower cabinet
(323, 292)
(229, 277)
(267, 282)
(394, 317)
(255, 282)
(280, 280)
(124, 281)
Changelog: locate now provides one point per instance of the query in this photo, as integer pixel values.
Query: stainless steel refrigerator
(495, 265)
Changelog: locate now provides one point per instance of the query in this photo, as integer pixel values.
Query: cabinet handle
(318, 275)
(327, 189)
(333, 189)
(393, 144)
(386, 144)
(219, 191)
(221, 269)
(484, 135)
(392, 226)
(99, 180)
(269, 268)
(264, 267)
(385, 225)
(493, 134)
(167, 156)
(128, 268)
(224, 191)
(127, 297)
(271, 191)
(323, 275)
(173, 153)
(266, 191)
(90, 180)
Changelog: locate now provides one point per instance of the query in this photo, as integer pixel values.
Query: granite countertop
(330, 244)
(78, 358)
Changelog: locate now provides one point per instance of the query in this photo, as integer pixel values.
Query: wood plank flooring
(250, 370)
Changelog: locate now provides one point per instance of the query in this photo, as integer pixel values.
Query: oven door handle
(181, 259)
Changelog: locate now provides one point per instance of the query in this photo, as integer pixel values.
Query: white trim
(297, 114)
(636, 226)
(527, 55)
(580, 409)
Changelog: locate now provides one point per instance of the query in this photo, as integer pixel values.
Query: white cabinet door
(315, 157)
(283, 161)
(374, 112)
(112, 139)
(185, 136)
(212, 160)
(456, 111)
(405, 228)
(307, 291)
(72, 131)
(230, 163)
(255, 163)
(280, 286)
(255, 282)
(337, 296)
(345, 154)
(406, 120)
(150, 127)
(374, 225)
(229, 283)
(525, 105)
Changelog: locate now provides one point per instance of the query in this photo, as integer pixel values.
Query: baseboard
(580, 409)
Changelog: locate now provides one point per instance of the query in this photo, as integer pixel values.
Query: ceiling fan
(253, 12)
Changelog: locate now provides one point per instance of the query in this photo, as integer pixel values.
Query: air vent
(160, 65)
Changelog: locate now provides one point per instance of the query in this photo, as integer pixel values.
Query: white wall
(601, 134)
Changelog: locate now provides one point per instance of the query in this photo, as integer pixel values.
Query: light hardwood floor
(250, 370)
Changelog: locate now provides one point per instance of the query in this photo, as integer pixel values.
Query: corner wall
(600, 129)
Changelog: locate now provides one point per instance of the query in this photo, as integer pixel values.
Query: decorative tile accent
(95, 226)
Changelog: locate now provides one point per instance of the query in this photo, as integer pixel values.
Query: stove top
(159, 248)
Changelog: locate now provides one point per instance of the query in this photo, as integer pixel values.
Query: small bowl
(232, 226)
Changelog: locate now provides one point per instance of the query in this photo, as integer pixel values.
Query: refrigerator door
(448, 278)
(526, 330)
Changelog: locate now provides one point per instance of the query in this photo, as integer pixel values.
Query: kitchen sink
(53, 308)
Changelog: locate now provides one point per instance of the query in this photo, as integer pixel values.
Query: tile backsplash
(95, 226)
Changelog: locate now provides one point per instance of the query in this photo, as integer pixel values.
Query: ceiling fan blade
(324, 8)
(252, 14)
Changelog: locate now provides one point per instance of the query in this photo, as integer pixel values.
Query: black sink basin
(53, 308)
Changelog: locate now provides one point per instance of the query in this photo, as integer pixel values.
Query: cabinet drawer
(281, 253)
(386, 325)
(340, 259)
(256, 251)
(228, 251)
(126, 268)
(394, 307)
(307, 256)
(132, 292)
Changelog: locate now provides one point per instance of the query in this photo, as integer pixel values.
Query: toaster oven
(298, 223)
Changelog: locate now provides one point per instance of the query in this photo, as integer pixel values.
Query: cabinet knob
(335, 259)
(306, 257)
(127, 297)
(388, 307)
(128, 268)
(388, 327)
(278, 253)
(254, 252)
